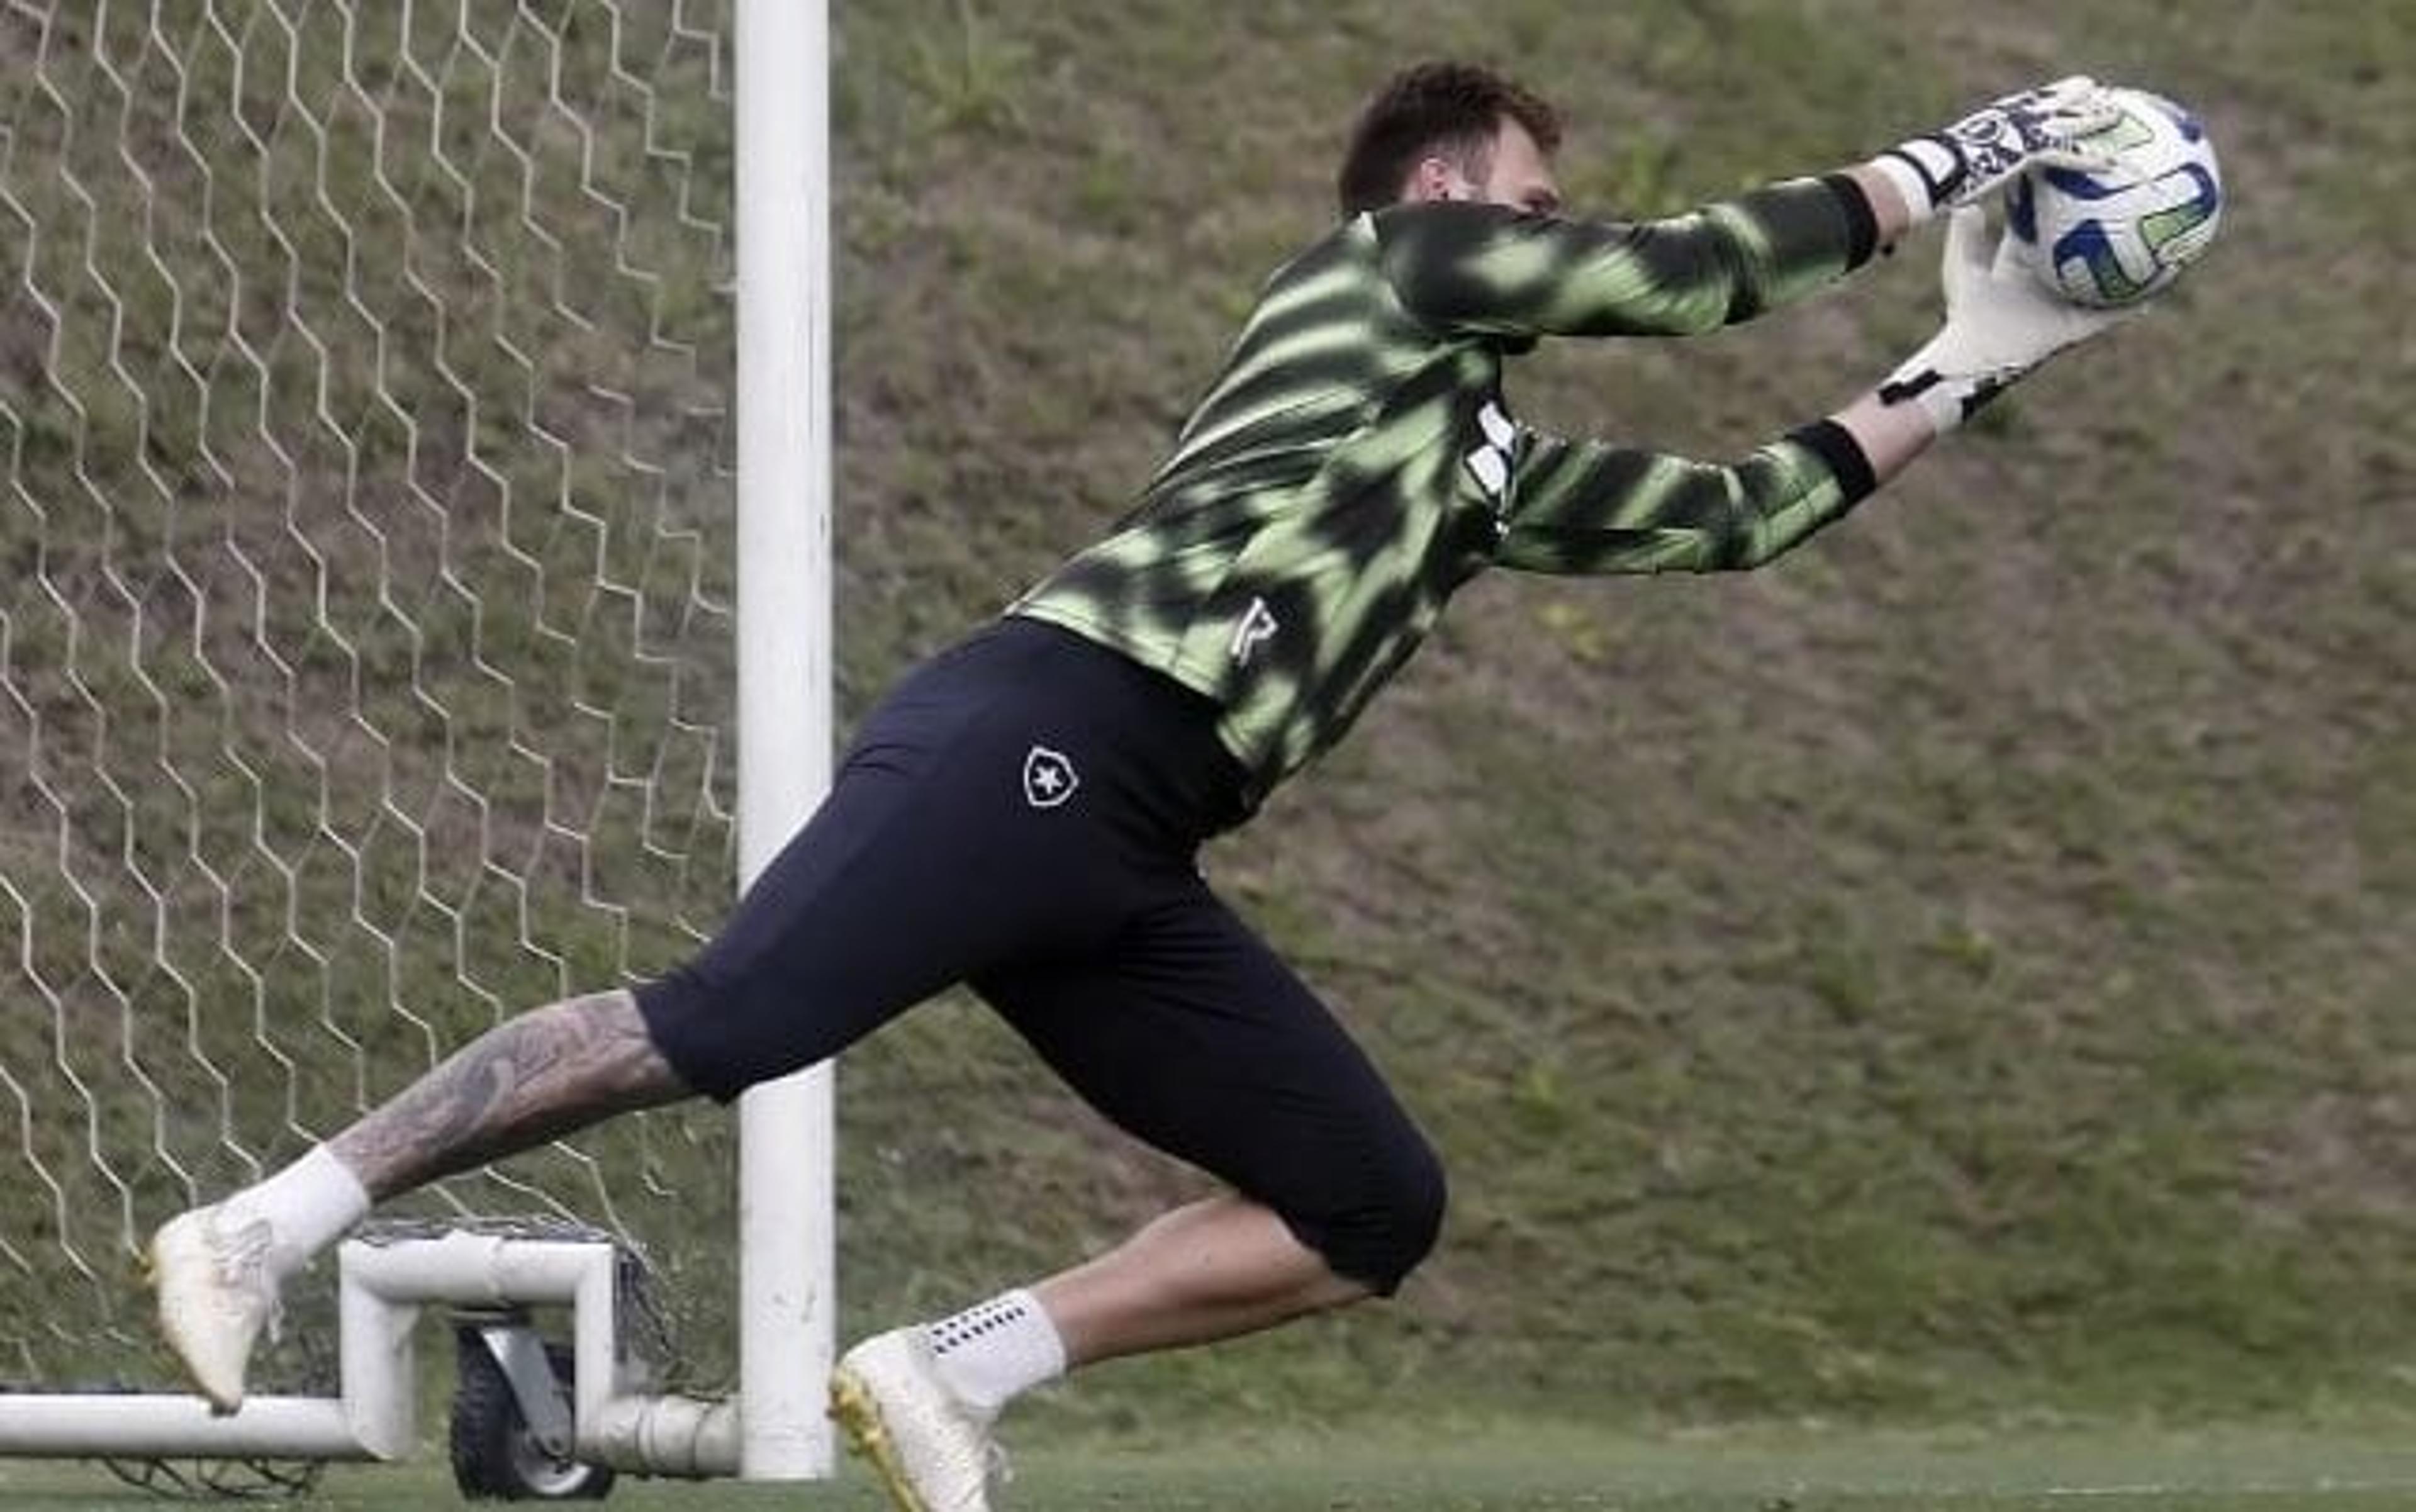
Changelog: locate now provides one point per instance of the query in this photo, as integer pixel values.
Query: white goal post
(390, 641)
(787, 1248)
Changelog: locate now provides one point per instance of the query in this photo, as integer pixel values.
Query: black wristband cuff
(1862, 225)
(1836, 445)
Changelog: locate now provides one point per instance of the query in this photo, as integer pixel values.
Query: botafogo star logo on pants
(1048, 778)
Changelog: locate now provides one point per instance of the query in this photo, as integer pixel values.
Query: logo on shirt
(1048, 778)
(1258, 626)
(1489, 463)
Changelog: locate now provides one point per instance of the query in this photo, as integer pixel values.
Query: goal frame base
(383, 1289)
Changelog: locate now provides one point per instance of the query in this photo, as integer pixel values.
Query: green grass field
(1490, 1469)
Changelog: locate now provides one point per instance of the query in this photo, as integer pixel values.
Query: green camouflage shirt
(1354, 463)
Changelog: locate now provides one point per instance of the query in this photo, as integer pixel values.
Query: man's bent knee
(1394, 1225)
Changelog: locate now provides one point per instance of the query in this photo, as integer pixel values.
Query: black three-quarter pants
(1023, 813)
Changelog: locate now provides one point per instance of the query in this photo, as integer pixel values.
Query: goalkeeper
(1022, 813)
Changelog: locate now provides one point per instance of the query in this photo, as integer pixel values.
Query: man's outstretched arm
(1485, 270)
(1591, 507)
(1493, 270)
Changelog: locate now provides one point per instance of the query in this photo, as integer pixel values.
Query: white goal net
(365, 572)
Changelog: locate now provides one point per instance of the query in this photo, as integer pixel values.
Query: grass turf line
(1497, 1468)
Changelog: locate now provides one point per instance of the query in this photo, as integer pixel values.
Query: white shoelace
(239, 1264)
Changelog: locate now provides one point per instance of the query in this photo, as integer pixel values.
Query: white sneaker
(931, 1450)
(216, 1295)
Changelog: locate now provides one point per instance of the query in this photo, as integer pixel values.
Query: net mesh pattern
(365, 573)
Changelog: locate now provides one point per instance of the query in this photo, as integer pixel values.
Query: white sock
(307, 1206)
(999, 1350)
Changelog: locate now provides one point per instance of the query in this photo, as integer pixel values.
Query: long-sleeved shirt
(1354, 463)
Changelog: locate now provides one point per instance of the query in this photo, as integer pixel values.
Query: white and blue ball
(2117, 236)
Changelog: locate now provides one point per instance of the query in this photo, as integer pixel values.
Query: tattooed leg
(525, 1081)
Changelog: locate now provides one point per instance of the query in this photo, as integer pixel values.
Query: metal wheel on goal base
(497, 1456)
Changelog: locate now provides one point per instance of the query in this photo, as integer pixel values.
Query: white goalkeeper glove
(1965, 161)
(2001, 320)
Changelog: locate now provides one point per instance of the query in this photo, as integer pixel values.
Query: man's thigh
(925, 863)
(1190, 1033)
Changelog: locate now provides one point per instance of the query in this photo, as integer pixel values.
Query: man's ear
(1433, 181)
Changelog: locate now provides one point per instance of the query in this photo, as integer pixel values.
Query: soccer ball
(2120, 235)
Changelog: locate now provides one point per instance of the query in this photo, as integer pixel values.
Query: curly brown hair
(1454, 108)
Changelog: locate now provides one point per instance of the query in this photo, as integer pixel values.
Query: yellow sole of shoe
(853, 1409)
